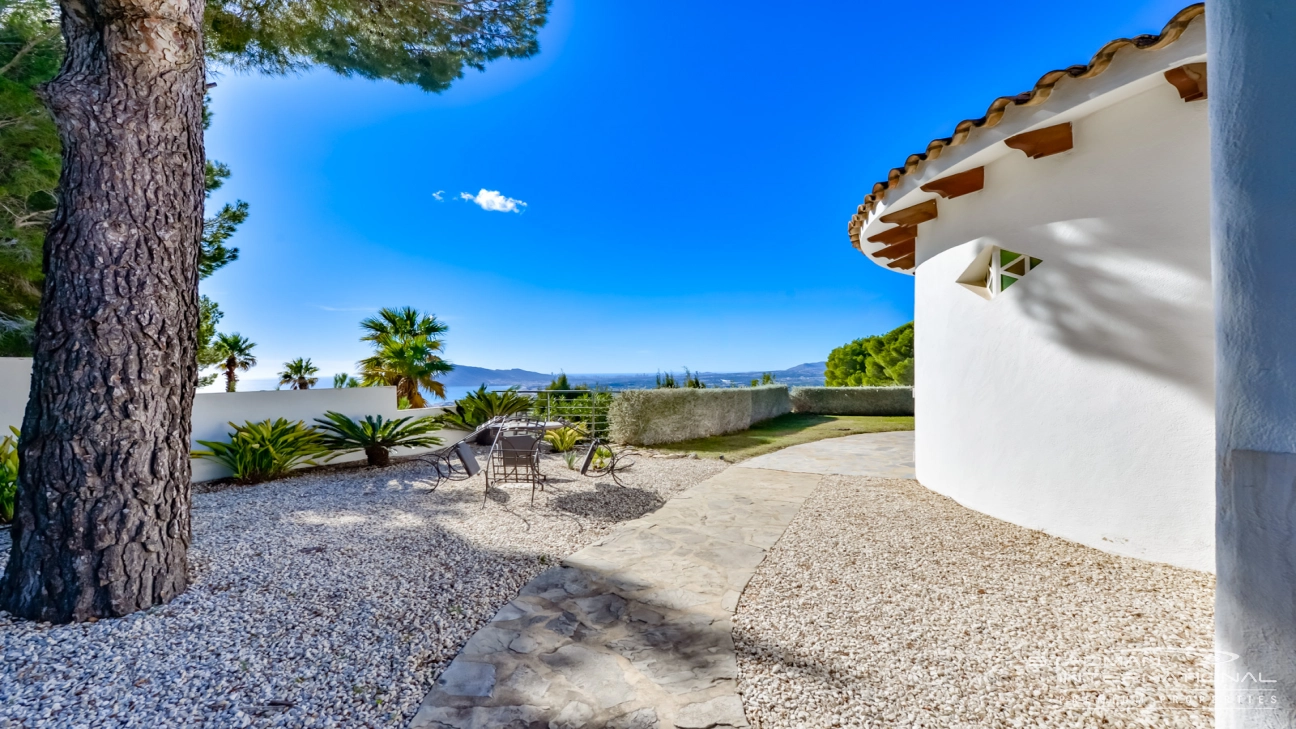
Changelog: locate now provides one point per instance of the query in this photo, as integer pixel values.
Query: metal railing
(587, 410)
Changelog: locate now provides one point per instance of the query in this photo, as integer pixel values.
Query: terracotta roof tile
(1038, 95)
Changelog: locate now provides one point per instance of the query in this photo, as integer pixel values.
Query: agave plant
(375, 436)
(478, 407)
(563, 439)
(8, 475)
(266, 450)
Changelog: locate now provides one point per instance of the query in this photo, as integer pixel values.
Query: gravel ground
(324, 600)
(885, 604)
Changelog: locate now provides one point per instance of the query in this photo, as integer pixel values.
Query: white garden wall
(1080, 401)
(213, 412)
(15, 379)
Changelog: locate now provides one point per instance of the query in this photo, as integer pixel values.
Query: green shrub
(563, 439)
(649, 417)
(8, 475)
(878, 361)
(692, 380)
(478, 407)
(853, 400)
(266, 450)
(375, 436)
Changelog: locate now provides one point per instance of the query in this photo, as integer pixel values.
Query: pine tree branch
(35, 41)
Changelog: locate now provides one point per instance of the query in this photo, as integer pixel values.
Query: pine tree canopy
(424, 42)
(880, 361)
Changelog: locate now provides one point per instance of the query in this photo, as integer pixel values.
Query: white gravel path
(324, 600)
(885, 604)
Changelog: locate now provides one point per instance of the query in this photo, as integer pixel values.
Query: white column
(1252, 97)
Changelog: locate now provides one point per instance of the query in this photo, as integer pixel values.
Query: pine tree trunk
(102, 522)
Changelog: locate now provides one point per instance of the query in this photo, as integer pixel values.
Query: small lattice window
(995, 270)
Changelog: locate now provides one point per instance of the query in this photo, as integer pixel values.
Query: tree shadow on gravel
(609, 502)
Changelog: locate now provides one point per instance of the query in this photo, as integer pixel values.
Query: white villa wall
(213, 412)
(1080, 401)
(15, 378)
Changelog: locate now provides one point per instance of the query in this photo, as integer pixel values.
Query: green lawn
(784, 431)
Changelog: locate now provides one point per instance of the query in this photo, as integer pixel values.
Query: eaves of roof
(1037, 95)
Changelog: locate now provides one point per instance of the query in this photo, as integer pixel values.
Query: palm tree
(406, 355)
(299, 373)
(404, 323)
(342, 379)
(235, 352)
(409, 366)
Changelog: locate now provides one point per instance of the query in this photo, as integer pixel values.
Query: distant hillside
(810, 373)
(466, 376)
(809, 369)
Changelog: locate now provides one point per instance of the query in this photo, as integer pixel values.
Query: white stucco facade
(1080, 401)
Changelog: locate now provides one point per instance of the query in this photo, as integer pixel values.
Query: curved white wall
(1080, 402)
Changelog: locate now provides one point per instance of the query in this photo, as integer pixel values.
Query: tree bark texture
(102, 522)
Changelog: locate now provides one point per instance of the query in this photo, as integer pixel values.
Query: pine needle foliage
(878, 361)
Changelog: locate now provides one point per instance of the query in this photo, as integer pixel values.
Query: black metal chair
(515, 454)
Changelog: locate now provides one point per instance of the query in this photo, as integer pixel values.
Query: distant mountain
(809, 369)
(810, 373)
(466, 376)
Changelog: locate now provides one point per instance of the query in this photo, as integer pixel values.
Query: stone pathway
(881, 455)
(634, 631)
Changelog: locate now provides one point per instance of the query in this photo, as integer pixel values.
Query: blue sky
(687, 178)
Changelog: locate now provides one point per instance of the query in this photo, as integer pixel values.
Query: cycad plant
(563, 439)
(480, 406)
(406, 353)
(8, 475)
(262, 451)
(375, 436)
(235, 353)
(299, 374)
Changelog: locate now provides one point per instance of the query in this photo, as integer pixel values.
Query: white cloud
(492, 200)
(439, 195)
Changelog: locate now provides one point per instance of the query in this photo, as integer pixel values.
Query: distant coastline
(466, 378)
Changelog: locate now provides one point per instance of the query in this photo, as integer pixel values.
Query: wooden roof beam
(957, 185)
(920, 213)
(899, 250)
(1043, 142)
(898, 234)
(1189, 80)
(905, 263)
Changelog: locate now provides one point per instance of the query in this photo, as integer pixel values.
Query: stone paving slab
(880, 455)
(632, 632)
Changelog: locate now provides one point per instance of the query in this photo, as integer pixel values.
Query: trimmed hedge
(853, 400)
(650, 417)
